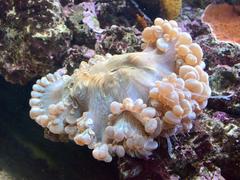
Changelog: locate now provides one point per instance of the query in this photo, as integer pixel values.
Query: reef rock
(126, 39)
(119, 104)
(33, 38)
(37, 37)
(225, 85)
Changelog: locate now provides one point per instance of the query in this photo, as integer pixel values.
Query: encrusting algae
(119, 104)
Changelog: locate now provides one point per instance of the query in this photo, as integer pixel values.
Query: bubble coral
(224, 21)
(119, 104)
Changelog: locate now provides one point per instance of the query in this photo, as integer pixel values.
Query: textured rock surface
(226, 94)
(37, 37)
(119, 40)
(33, 38)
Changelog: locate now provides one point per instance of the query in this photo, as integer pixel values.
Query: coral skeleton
(120, 104)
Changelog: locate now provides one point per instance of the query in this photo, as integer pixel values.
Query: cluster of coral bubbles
(119, 104)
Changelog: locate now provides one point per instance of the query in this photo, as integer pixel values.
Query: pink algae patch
(224, 21)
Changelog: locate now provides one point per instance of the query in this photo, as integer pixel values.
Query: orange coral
(224, 22)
